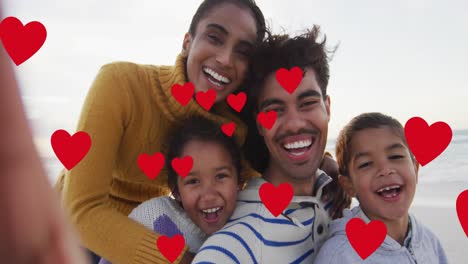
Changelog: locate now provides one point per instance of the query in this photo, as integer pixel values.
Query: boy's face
(297, 139)
(383, 175)
(208, 194)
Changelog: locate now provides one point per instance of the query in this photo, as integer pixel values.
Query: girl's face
(208, 194)
(218, 53)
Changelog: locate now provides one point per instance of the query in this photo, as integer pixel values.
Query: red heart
(268, 119)
(21, 42)
(228, 129)
(182, 166)
(427, 142)
(70, 150)
(151, 165)
(276, 199)
(206, 99)
(184, 93)
(171, 248)
(462, 210)
(289, 79)
(237, 102)
(365, 239)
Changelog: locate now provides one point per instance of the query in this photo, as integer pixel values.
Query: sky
(402, 58)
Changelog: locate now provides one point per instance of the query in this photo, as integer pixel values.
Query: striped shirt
(254, 235)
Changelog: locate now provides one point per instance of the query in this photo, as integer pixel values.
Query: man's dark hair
(280, 51)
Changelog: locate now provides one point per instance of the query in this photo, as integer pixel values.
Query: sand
(434, 206)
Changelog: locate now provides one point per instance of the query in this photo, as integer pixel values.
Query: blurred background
(404, 58)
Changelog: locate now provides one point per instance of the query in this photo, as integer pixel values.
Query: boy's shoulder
(426, 244)
(418, 227)
(337, 248)
(421, 233)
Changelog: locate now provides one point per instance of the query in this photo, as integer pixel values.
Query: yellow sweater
(128, 111)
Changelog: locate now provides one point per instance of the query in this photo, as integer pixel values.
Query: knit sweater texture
(129, 110)
(165, 216)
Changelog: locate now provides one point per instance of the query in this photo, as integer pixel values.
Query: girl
(206, 197)
(129, 111)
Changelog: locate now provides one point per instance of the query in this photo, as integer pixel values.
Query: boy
(377, 167)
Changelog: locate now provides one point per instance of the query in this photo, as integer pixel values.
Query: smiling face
(218, 54)
(383, 176)
(297, 140)
(208, 194)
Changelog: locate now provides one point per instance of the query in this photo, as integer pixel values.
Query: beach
(441, 218)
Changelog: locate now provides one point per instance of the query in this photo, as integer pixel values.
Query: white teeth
(390, 195)
(211, 210)
(297, 153)
(298, 144)
(216, 76)
(388, 188)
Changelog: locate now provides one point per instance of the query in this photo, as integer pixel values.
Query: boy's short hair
(202, 129)
(359, 123)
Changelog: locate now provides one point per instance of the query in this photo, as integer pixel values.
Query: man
(292, 151)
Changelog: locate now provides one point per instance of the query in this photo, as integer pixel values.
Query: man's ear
(347, 185)
(186, 44)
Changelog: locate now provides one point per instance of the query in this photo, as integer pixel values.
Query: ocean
(450, 166)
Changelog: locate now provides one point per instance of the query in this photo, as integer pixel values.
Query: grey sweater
(422, 246)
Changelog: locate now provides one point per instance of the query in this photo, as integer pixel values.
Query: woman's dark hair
(207, 5)
(279, 51)
(198, 128)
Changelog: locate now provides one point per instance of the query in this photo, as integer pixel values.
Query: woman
(129, 111)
